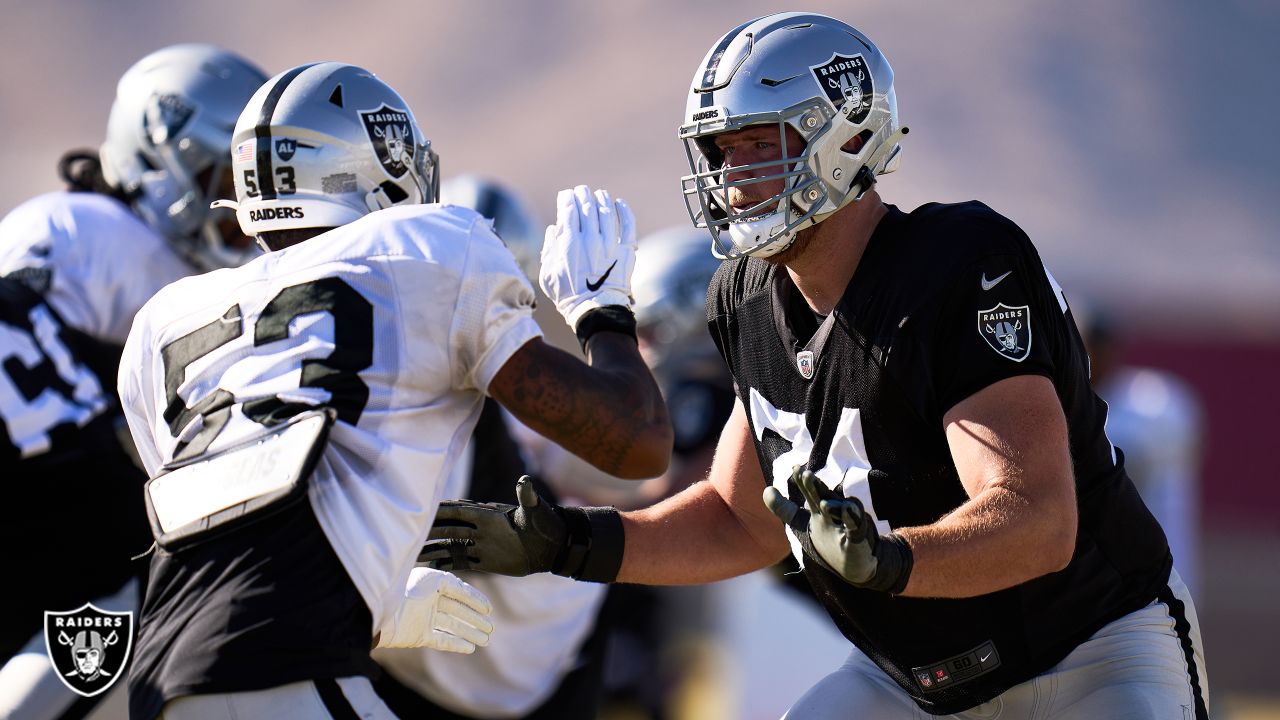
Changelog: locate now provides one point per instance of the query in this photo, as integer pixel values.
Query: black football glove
(532, 537)
(841, 536)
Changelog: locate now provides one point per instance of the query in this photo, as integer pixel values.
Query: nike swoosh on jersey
(988, 284)
(594, 286)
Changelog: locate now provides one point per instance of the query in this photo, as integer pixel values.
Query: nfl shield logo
(804, 361)
(391, 133)
(88, 647)
(1007, 330)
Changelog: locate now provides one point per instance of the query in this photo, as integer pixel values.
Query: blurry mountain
(1131, 140)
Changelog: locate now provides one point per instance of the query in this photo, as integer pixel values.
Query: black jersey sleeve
(996, 320)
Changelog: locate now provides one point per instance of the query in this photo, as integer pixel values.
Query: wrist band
(606, 318)
(894, 561)
(594, 550)
(607, 541)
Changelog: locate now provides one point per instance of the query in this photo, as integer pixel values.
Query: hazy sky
(1133, 141)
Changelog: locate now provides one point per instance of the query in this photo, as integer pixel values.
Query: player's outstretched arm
(715, 529)
(609, 413)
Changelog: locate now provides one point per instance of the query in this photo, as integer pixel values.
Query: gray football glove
(841, 537)
(534, 536)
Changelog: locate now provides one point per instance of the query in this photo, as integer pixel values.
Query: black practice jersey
(72, 514)
(946, 300)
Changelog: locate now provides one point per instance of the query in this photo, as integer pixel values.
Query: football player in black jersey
(914, 404)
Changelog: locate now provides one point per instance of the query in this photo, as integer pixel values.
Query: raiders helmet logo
(846, 77)
(391, 133)
(88, 647)
(1007, 330)
(165, 117)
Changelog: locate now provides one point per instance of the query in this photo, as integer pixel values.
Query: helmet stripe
(713, 63)
(266, 179)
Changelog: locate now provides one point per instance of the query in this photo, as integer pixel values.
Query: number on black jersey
(43, 384)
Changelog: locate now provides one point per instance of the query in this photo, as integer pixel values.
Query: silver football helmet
(167, 140)
(815, 74)
(673, 270)
(511, 217)
(324, 144)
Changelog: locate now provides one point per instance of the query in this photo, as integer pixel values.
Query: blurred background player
(659, 649)
(545, 658)
(135, 217)
(657, 645)
(1156, 420)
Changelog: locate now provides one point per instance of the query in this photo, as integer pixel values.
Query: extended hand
(497, 538)
(842, 537)
(438, 611)
(588, 255)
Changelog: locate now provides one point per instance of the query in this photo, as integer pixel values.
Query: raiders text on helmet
(321, 145)
(815, 74)
(167, 139)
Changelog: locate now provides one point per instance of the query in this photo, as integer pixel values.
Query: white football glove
(439, 611)
(588, 255)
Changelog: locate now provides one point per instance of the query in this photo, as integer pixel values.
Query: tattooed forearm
(610, 414)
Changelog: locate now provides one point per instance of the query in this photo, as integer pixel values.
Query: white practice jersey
(540, 623)
(398, 321)
(92, 259)
(1155, 419)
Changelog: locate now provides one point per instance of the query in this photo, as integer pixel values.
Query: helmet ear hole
(394, 192)
(856, 143)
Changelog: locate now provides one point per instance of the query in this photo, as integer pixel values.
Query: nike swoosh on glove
(589, 254)
(438, 611)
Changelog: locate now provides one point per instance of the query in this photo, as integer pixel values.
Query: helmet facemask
(808, 72)
(202, 171)
(166, 145)
(777, 216)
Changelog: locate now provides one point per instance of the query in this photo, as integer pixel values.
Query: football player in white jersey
(545, 660)
(382, 323)
(135, 218)
(1157, 419)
